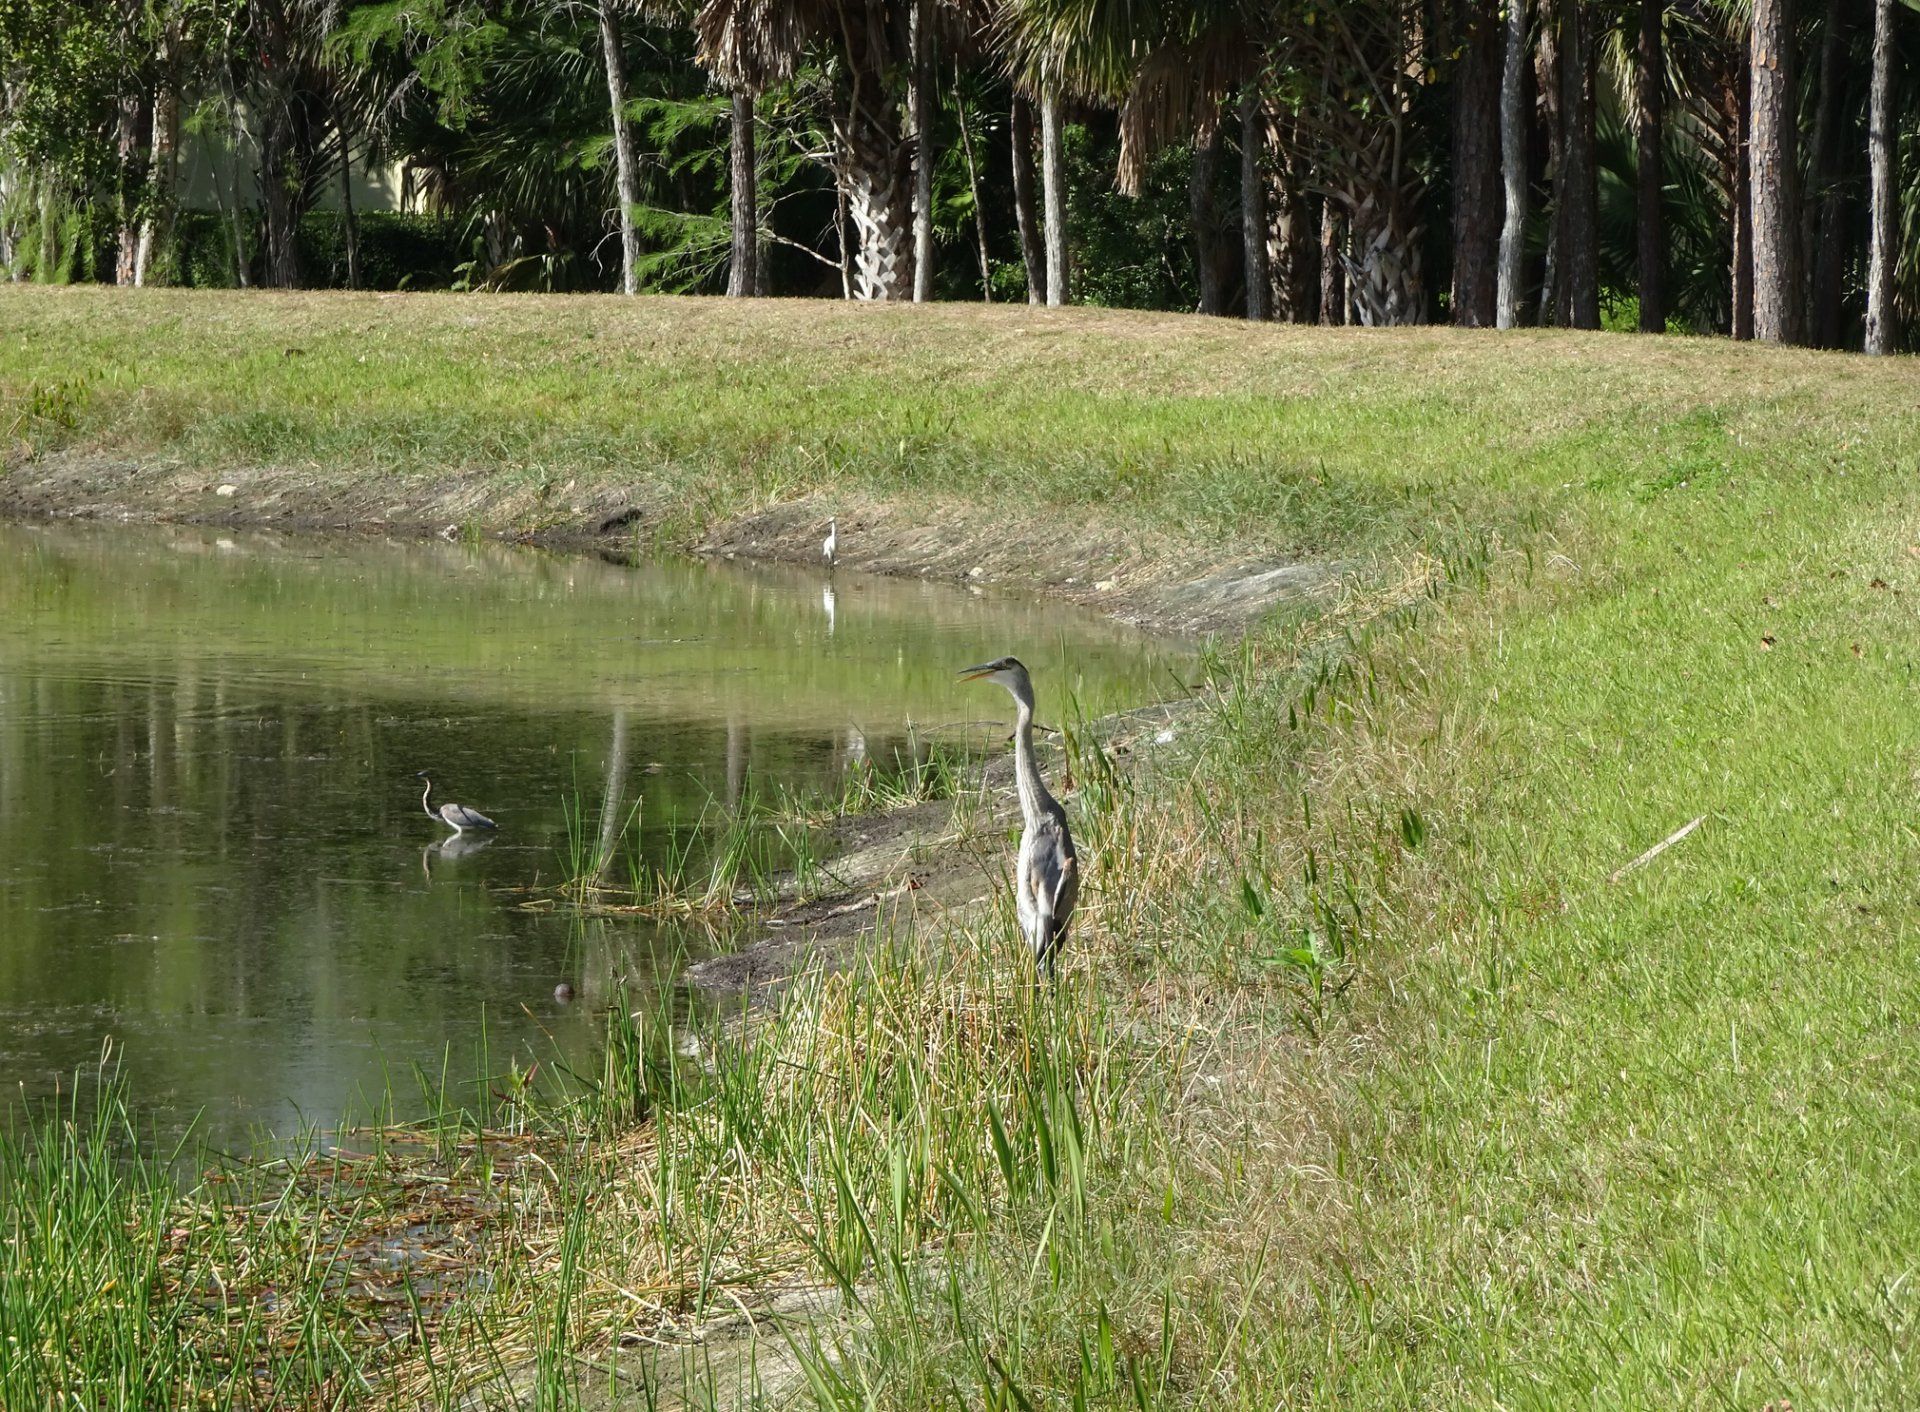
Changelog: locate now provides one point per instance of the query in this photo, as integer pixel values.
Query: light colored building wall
(209, 177)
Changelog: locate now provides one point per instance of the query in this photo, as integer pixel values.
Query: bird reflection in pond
(452, 847)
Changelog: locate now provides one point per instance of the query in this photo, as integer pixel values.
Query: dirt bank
(1149, 580)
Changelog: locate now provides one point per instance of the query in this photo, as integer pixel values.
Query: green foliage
(397, 250)
(1129, 252)
(56, 239)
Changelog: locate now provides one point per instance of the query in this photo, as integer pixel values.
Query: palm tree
(1170, 69)
(1350, 76)
(751, 45)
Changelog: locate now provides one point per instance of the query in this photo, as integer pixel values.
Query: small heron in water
(830, 546)
(1046, 877)
(457, 817)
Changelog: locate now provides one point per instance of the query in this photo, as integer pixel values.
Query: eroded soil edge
(1152, 580)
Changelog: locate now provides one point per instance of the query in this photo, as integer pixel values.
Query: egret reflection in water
(453, 847)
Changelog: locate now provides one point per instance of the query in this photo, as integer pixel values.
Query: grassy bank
(1377, 1077)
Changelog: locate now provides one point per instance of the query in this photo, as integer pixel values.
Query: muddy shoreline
(1150, 582)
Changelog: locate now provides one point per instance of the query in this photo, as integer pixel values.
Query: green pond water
(212, 850)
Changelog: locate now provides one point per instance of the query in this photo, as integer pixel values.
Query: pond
(212, 847)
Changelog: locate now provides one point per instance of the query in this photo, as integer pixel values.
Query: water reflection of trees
(232, 881)
(210, 835)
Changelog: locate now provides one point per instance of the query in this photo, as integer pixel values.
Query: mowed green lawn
(1653, 1142)
(1562, 1141)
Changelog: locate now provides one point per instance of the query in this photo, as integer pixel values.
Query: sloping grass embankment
(1375, 1081)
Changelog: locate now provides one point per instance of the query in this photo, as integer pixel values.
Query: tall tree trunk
(276, 189)
(920, 103)
(1740, 199)
(743, 278)
(1513, 166)
(1820, 229)
(1476, 166)
(1293, 231)
(1032, 250)
(1577, 198)
(157, 224)
(626, 173)
(1053, 179)
(1547, 61)
(279, 181)
(1253, 206)
(9, 231)
(135, 142)
(49, 233)
(876, 172)
(1333, 268)
(973, 186)
(242, 275)
(1203, 217)
(1881, 247)
(349, 223)
(1650, 135)
(1774, 173)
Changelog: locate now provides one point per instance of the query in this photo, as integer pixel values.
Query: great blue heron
(830, 546)
(1046, 879)
(457, 817)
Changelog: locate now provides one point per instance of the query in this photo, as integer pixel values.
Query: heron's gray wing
(1054, 876)
(461, 817)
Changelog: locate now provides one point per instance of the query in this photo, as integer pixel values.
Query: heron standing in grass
(1046, 877)
(830, 546)
(457, 817)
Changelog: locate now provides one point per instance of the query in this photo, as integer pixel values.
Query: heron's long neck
(423, 799)
(1034, 798)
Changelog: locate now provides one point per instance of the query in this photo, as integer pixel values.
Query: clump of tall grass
(916, 775)
(755, 851)
(874, 1111)
(724, 858)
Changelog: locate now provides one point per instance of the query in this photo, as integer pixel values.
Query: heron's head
(419, 774)
(1009, 672)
